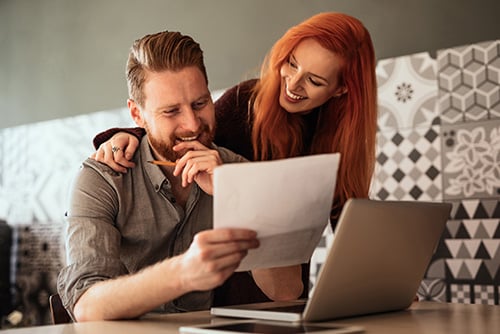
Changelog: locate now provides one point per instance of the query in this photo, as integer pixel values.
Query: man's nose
(191, 121)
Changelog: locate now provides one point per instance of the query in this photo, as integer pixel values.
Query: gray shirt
(120, 223)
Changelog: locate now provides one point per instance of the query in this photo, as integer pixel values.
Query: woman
(316, 94)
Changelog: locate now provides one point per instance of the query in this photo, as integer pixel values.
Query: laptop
(378, 257)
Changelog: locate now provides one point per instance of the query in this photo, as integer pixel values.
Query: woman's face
(309, 78)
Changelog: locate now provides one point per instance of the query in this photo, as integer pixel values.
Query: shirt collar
(154, 172)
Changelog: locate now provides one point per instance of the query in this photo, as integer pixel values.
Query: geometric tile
(460, 293)
(437, 269)
(319, 256)
(453, 226)
(432, 290)
(484, 294)
(475, 209)
(471, 160)
(492, 247)
(469, 82)
(408, 165)
(468, 255)
(407, 92)
(464, 269)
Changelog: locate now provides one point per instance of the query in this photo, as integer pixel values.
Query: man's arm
(210, 260)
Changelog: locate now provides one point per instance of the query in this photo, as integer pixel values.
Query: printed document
(287, 202)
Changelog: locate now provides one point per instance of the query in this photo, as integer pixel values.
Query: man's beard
(165, 149)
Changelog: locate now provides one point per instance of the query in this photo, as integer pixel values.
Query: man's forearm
(130, 296)
(284, 283)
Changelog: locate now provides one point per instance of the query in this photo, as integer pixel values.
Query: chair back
(58, 313)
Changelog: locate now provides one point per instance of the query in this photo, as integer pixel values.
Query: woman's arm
(106, 135)
(284, 283)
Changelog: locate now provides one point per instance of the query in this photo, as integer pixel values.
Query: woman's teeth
(293, 96)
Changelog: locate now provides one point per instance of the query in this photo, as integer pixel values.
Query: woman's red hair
(346, 124)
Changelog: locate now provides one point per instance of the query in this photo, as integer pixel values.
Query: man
(142, 241)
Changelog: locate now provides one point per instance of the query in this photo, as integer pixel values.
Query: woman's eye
(292, 64)
(315, 83)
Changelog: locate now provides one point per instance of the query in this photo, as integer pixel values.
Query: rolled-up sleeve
(92, 239)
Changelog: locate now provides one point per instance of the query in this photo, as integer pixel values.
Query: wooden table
(421, 317)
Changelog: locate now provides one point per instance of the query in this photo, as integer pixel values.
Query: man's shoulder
(99, 168)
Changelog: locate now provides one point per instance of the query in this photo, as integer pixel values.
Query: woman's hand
(117, 152)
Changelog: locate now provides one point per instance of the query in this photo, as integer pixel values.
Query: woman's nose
(294, 81)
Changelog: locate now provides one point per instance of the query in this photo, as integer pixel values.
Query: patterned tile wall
(468, 258)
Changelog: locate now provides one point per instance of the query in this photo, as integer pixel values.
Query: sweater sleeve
(107, 134)
(234, 124)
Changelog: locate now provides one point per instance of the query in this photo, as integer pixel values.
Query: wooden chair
(58, 313)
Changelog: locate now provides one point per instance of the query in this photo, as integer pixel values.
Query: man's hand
(118, 159)
(213, 256)
(197, 165)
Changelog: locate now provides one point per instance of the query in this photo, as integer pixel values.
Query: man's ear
(135, 112)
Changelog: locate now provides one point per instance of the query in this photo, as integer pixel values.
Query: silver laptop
(378, 257)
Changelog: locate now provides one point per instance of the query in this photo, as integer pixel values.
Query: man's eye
(199, 105)
(170, 111)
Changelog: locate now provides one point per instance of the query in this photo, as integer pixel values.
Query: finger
(120, 160)
(229, 249)
(223, 235)
(194, 162)
(98, 155)
(195, 167)
(108, 158)
(230, 261)
(131, 148)
(190, 145)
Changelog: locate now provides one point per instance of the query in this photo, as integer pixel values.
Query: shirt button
(157, 187)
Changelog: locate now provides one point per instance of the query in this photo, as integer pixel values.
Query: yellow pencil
(162, 163)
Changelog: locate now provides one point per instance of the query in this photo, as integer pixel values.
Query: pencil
(162, 163)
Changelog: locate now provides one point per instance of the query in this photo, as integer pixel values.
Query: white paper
(287, 202)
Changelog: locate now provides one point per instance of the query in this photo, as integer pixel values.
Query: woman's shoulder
(239, 92)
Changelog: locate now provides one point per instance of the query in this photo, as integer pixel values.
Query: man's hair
(163, 51)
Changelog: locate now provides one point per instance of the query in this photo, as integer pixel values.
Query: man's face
(177, 107)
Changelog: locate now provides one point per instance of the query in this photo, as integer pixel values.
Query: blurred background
(61, 58)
